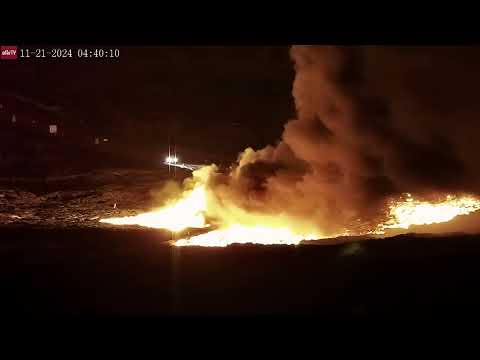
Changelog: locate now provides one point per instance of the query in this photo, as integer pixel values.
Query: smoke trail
(372, 122)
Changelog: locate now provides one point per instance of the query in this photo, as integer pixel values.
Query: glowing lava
(240, 234)
(186, 212)
(410, 212)
(241, 227)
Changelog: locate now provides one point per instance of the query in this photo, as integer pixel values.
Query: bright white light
(171, 160)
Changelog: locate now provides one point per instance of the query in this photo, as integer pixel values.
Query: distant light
(171, 159)
(53, 129)
(105, 139)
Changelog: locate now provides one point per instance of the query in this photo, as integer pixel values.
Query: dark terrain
(108, 271)
(82, 199)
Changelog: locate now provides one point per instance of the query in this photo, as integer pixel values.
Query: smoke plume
(372, 123)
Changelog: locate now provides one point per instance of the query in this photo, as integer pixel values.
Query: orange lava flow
(241, 234)
(187, 212)
(404, 214)
(191, 209)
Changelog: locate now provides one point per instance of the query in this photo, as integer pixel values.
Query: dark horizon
(202, 99)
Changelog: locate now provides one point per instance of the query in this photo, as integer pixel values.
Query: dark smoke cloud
(372, 123)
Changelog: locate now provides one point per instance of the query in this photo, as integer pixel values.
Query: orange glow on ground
(409, 212)
(242, 227)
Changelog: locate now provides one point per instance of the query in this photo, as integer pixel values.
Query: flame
(189, 210)
(241, 234)
(406, 213)
(186, 212)
(238, 226)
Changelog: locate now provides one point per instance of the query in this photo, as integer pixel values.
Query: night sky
(211, 100)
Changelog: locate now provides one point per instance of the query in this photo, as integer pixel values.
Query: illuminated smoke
(372, 124)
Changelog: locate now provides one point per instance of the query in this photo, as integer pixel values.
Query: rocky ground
(80, 199)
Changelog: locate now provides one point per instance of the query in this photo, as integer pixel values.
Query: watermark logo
(8, 52)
